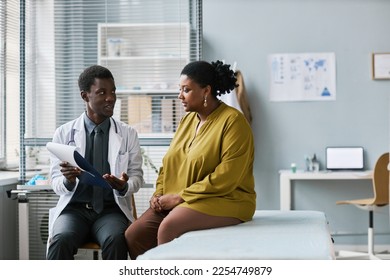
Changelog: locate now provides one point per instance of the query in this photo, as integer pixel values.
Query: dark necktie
(98, 200)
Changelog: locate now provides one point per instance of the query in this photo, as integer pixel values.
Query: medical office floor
(382, 252)
(87, 254)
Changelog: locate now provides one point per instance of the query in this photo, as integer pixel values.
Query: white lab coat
(124, 155)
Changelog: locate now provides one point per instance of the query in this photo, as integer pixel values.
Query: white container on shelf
(115, 47)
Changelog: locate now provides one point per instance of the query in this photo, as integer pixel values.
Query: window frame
(30, 129)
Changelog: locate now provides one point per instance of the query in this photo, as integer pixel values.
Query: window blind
(2, 84)
(144, 43)
(9, 82)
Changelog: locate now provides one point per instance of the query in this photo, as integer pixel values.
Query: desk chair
(94, 246)
(380, 183)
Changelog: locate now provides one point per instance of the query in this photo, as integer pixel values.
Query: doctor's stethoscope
(71, 140)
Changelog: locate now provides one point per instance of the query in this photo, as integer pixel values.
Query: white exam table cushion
(271, 235)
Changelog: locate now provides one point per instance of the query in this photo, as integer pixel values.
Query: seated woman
(206, 179)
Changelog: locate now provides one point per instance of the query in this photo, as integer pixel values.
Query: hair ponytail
(215, 74)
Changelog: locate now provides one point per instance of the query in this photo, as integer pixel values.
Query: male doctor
(86, 212)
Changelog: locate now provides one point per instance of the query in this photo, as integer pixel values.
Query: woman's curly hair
(215, 74)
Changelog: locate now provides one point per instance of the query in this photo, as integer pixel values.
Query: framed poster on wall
(381, 66)
(302, 76)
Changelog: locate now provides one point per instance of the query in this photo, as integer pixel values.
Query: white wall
(247, 31)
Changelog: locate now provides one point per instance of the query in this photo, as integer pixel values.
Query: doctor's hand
(70, 172)
(116, 183)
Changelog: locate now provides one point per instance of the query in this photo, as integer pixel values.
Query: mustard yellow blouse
(213, 170)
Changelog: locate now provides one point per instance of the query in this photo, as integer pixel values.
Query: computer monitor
(344, 158)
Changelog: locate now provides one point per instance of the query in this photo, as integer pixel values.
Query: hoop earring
(205, 102)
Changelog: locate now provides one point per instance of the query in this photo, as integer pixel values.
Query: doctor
(86, 212)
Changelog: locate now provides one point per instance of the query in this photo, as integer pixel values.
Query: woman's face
(192, 95)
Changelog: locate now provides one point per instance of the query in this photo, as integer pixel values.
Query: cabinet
(144, 56)
(8, 222)
(146, 60)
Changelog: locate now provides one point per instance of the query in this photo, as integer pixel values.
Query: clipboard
(89, 174)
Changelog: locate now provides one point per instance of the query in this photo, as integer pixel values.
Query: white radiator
(142, 198)
(34, 203)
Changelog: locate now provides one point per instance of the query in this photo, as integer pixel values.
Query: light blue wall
(247, 31)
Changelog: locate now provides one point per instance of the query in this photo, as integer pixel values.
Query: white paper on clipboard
(70, 154)
(63, 152)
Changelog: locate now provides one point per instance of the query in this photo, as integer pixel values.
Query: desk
(286, 176)
(8, 178)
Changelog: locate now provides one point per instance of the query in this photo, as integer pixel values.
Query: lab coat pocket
(122, 163)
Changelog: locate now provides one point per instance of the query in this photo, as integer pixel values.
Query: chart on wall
(302, 76)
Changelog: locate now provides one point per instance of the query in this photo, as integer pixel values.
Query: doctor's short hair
(217, 75)
(87, 77)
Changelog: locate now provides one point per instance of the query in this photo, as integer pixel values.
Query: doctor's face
(100, 100)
